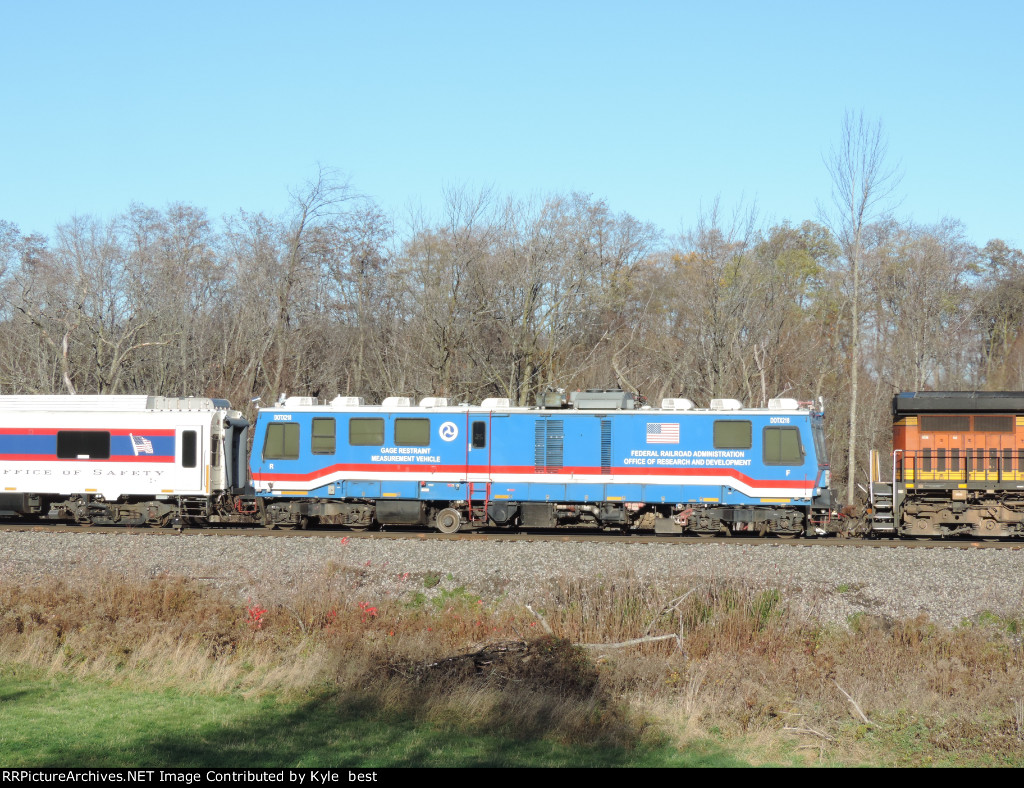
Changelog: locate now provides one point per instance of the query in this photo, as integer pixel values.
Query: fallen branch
(856, 706)
(298, 620)
(634, 642)
(543, 621)
(809, 731)
(625, 643)
(673, 605)
(483, 656)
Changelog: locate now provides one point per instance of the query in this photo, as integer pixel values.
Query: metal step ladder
(883, 517)
(487, 500)
(883, 503)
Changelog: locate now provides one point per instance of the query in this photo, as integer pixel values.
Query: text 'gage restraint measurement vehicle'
(130, 460)
(596, 459)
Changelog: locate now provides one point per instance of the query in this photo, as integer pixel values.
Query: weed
(255, 616)
(765, 605)
(746, 669)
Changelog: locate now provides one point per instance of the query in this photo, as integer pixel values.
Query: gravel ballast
(828, 583)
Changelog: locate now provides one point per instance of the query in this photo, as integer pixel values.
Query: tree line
(504, 297)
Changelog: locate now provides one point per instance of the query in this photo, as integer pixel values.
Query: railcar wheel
(163, 521)
(267, 523)
(448, 521)
(300, 525)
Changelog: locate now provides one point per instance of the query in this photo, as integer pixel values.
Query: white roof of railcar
(342, 404)
(107, 402)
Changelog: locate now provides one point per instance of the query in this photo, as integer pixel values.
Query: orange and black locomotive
(957, 466)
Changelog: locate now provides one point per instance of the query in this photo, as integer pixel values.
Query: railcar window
(188, 448)
(819, 445)
(412, 432)
(732, 435)
(945, 424)
(479, 435)
(366, 432)
(282, 442)
(323, 441)
(85, 444)
(782, 446)
(993, 423)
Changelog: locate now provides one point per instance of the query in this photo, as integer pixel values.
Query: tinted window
(366, 432)
(282, 442)
(479, 434)
(323, 436)
(188, 449)
(782, 446)
(412, 432)
(819, 445)
(732, 435)
(75, 444)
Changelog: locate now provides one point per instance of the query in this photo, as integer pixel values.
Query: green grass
(49, 721)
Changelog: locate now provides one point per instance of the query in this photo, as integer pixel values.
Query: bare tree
(861, 183)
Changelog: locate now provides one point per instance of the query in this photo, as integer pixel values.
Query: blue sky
(657, 107)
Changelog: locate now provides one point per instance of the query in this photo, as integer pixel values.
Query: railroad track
(553, 535)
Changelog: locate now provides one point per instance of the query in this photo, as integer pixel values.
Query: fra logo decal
(448, 431)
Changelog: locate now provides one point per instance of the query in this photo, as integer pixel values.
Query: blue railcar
(597, 460)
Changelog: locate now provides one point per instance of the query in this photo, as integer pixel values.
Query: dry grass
(747, 671)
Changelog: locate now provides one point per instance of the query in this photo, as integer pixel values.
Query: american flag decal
(141, 445)
(658, 432)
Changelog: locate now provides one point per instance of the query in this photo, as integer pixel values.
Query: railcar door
(478, 459)
(189, 460)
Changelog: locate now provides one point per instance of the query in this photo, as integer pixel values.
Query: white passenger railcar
(128, 459)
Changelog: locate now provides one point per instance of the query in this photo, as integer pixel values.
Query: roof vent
(396, 402)
(493, 403)
(602, 399)
(300, 402)
(347, 402)
(783, 403)
(434, 402)
(677, 403)
(726, 404)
